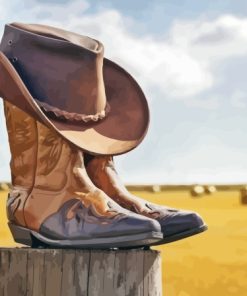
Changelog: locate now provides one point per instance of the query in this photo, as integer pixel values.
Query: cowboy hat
(63, 80)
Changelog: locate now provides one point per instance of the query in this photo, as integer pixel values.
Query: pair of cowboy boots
(62, 197)
(53, 202)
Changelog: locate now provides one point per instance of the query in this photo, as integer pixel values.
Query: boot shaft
(23, 142)
(41, 167)
(46, 172)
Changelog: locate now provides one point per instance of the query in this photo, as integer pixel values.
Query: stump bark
(53, 272)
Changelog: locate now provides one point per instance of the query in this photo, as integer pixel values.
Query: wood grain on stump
(53, 272)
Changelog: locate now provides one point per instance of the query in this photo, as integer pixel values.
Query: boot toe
(179, 222)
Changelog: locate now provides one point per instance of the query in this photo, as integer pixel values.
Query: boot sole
(33, 239)
(181, 235)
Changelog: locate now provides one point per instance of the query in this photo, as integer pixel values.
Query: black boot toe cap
(179, 222)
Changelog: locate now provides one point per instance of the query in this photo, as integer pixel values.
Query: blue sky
(190, 59)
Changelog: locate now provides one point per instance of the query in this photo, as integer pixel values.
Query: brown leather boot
(175, 224)
(54, 203)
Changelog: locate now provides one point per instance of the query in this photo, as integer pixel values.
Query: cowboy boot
(175, 224)
(54, 203)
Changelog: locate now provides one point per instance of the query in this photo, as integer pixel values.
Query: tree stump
(69, 272)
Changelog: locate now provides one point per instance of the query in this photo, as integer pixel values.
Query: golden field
(213, 263)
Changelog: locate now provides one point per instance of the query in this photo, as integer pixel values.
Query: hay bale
(197, 191)
(4, 187)
(156, 188)
(243, 195)
(210, 189)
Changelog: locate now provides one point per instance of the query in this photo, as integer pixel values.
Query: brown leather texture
(23, 140)
(175, 224)
(57, 76)
(80, 222)
(102, 172)
(23, 137)
(74, 72)
(47, 171)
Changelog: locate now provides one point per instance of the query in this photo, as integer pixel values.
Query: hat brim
(120, 131)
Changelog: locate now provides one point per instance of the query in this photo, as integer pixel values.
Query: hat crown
(62, 70)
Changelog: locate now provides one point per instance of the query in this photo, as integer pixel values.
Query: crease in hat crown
(62, 70)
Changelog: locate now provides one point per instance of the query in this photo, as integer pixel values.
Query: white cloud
(207, 160)
(239, 99)
(210, 103)
(58, 12)
(212, 40)
(31, 10)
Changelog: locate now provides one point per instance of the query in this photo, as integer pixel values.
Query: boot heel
(20, 234)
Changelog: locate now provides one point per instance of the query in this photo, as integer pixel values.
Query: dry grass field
(213, 263)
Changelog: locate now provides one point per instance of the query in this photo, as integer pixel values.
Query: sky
(189, 57)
